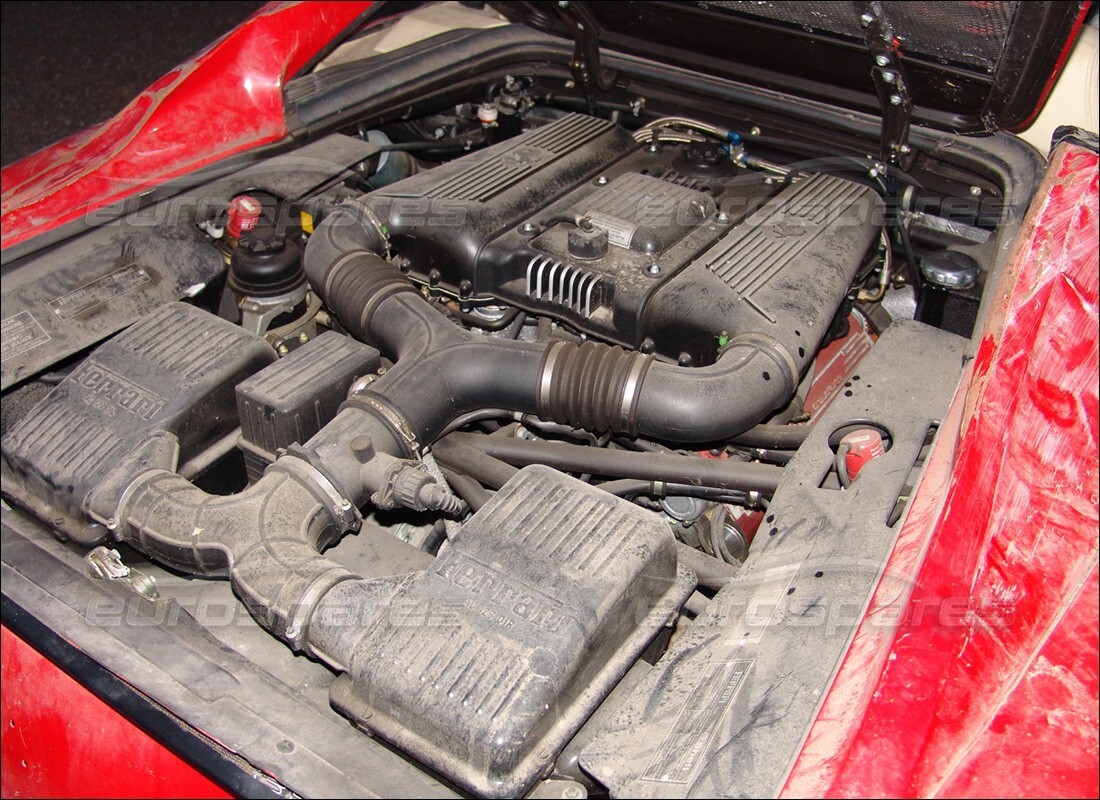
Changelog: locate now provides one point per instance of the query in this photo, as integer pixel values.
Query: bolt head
(654, 269)
(905, 149)
(975, 191)
(755, 130)
(882, 61)
(888, 76)
(895, 99)
(865, 20)
(601, 181)
(723, 216)
(528, 228)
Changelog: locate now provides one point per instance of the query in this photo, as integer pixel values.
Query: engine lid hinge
(890, 84)
(585, 65)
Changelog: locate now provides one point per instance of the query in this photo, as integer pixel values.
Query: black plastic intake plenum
(592, 386)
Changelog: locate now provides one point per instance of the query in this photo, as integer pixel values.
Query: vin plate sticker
(99, 291)
(19, 333)
(686, 745)
(619, 231)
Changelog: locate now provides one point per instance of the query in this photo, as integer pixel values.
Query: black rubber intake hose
(443, 372)
(266, 540)
(592, 386)
(751, 378)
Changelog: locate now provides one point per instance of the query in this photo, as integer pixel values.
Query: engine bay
(557, 448)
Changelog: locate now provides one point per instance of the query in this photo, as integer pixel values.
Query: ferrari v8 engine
(672, 250)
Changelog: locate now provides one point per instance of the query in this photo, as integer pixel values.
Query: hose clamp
(379, 227)
(393, 420)
(631, 391)
(342, 510)
(546, 377)
(296, 632)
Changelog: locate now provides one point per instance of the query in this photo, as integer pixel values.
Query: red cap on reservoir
(864, 444)
(244, 213)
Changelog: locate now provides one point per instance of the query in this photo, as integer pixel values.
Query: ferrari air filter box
(175, 371)
(486, 664)
(292, 399)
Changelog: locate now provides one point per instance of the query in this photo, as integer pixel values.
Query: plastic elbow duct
(443, 372)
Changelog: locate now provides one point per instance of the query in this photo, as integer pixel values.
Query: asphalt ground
(65, 66)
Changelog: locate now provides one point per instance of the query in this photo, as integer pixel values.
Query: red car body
(974, 671)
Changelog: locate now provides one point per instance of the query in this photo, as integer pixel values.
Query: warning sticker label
(687, 743)
(19, 333)
(99, 291)
(619, 231)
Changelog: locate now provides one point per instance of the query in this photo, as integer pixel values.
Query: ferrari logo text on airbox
(114, 390)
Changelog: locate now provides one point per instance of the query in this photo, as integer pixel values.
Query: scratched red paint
(57, 739)
(224, 101)
(1058, 693)
(999, 699)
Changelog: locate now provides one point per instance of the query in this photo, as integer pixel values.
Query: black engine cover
(659, 248)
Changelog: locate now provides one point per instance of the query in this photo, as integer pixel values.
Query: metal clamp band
(631, 391)
(343, 511)
(388, 417)
(546, 378)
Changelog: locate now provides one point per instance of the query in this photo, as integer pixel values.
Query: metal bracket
(107, 564)
(891, 85)
(585, 65)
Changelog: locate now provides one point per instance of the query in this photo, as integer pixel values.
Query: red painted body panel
(224, 101)
(989, 687)
(60, 740)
